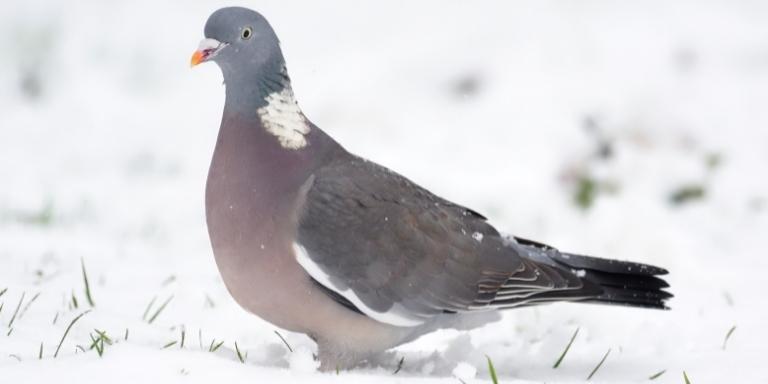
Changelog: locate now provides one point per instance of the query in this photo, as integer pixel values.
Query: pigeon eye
(246, 33)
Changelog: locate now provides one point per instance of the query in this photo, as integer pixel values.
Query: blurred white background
(631, 130)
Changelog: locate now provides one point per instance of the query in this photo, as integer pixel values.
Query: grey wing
(400, 254)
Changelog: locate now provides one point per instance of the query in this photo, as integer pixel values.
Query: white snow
(106, 135)
(464, 371)
(478, 237)
(301, 360)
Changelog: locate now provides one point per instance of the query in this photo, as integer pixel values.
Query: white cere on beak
(208, 45)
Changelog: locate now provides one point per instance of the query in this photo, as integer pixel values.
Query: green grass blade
(97, 343)
(399, 365)
(3, 291)
(87, 286)
(170, 344)
(149, 307)
(66, 332)
(284, 342)
(728, 336)
(600, 364)
(213, 346)
(565, 351)
(160, 310)
(40, 353)
(29, 303)
(239, 355)
(103, 335)
(492, 370)
(657, 375)
(13, 318)
(685, 376)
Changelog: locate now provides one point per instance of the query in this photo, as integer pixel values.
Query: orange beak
(207, 49)
(197, 58)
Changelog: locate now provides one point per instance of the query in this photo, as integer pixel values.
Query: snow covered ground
(512, 108)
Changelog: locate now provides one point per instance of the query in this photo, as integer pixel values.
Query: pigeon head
(244, 45)
(258, 88)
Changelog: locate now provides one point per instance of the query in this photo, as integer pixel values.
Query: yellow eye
(246, 33)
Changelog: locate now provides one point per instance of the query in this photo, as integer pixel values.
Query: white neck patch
(282, 117)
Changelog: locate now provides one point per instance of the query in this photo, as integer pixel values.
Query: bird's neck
(264, 135)
(266, 97)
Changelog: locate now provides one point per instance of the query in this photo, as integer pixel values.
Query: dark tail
(622, 282)
(595, 280)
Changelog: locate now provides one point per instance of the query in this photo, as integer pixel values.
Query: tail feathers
(622, 282)
(591, 280)
(607, 265)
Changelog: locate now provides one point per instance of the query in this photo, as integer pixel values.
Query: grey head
(247, 50)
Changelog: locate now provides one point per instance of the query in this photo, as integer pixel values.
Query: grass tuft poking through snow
(214, 345)
(16, 312)
(97, 342)
(149, 307)
(399, 365)
(600, 364)
(657, 375)
(66, 332)
(284, 341)
(685, 377)
(29, 303)
(87, 286)
(159, 309)
(240, 356)
(728, 336)
(73, 304)
(492, 370)
(567, 347)
(169, 344)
